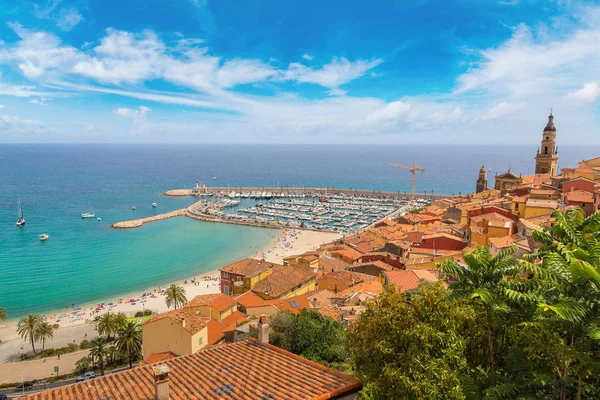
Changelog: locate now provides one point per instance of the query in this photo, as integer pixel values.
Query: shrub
(86, 344)
(48, 353)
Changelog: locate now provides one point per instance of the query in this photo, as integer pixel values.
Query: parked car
(24, 386)
(86, 376)
(3, 397)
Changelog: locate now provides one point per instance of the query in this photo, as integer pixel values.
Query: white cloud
(307, 57)
(392, 112)
(137, 115)
(68, 19)
(530, 65)
(236, 72)
(40, 102)
(14, 125)
(44, 13)
(1, 106)
(338, 72)
(503, 109)
(589, 93)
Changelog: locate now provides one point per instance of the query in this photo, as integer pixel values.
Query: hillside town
(217, 344)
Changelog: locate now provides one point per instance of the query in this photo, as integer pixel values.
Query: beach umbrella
(111, 304)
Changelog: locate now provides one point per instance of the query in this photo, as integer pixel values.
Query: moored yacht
(21, 220)
(90, 213)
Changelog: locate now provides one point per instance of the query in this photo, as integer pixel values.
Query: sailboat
(21, 220)
(90, 213)
(154, 202)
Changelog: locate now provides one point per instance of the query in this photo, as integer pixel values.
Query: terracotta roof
(330, 264)
(542, 203)
(502, 242)
(378, 264)
(247, 267)
(580, 196)
(219, 301)
(243, 370)
(292, 304)
(156, 357)
(331, 311)
(251, 299)
(320, 298)
(367, 287)
(215, 331)
(347, 252)
(282, 280)
(407, 279)
(234, 318)
(347, 277)
(193, 323)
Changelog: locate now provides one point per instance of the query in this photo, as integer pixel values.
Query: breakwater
(136, 223)
(224, 191)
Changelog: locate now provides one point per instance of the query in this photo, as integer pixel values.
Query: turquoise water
(86, 260)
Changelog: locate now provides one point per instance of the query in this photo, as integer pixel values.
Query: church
(546, 162)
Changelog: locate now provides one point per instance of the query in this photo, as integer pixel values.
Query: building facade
(482, 183)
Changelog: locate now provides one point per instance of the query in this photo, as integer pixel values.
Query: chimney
(161, 382)
(263, 329)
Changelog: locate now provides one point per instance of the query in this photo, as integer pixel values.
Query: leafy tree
(482, 281)
(565, 331)
(83, 364)
(412, 345)
(28, 327)
(44, 331)
(310, 335)
(98, 353)
(175, 296)
(130, 341)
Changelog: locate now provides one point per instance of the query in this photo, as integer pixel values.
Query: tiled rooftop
(282, 280)
(243, 370)
(219, 301)
(408, 279)
(247, 267)
(193, 323)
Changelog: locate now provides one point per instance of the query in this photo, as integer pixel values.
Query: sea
(85, 261)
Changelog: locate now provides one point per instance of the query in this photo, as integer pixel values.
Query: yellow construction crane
(413, 170)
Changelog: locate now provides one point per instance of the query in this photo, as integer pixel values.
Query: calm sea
(86, 260)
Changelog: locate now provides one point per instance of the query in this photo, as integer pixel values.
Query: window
(546, 150)
(200, 341)
(225, 275)
(516, 206)
(226, 290)
(547, 138)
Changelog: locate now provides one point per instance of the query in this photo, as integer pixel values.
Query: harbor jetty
(136, 223)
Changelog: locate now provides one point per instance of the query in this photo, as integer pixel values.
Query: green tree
(108, 325)
(44, 331)
(28, 327)
(309, 334)
(98, 353)
(2, 314)
(129, 341)
(112, 355)
(120, 320)
(565, 287)
(175, 296)
(482, 279)
(412, 345)
(83, 364)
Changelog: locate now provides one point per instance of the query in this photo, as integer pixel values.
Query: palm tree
(98, 353)
(130, 341)
(28, 327)
(112, 354)
(43, 332)
(2, 314)
(482, 280)
(175, 296)
(107, 325)
(82, 364)
(120, 320)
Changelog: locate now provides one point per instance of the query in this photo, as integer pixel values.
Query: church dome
(482, 169)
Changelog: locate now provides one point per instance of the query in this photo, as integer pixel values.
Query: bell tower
(546, 160)
(482, 181)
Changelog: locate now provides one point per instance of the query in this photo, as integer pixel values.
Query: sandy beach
(79, 320)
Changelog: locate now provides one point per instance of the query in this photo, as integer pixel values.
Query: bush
(25, 357)
(86, 344)
(72, 347)
(48, 353)
(145, 313)
(56, 326)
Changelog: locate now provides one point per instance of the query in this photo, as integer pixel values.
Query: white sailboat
(154, 201)
(44, 237)
(21, 220)
(90, 213)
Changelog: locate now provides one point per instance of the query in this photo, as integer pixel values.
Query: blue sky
(257, 71)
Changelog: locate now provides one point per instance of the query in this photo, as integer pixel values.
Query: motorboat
(133, 208)
(44, 237)
(154, 202)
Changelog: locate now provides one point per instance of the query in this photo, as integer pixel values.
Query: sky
(283, 71)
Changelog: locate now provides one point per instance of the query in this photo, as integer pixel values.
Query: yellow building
(216, 306)
(175, 331)
(537, 208)
(518, 205)
(286, 282)
(306, 260)
(241, 276)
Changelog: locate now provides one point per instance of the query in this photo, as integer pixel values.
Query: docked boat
(99, 219)
(21, 220)
(90, 213)
(154, 202)
(44, 237)
(133, 208)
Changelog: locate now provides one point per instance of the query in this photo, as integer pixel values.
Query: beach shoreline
(289, 242)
